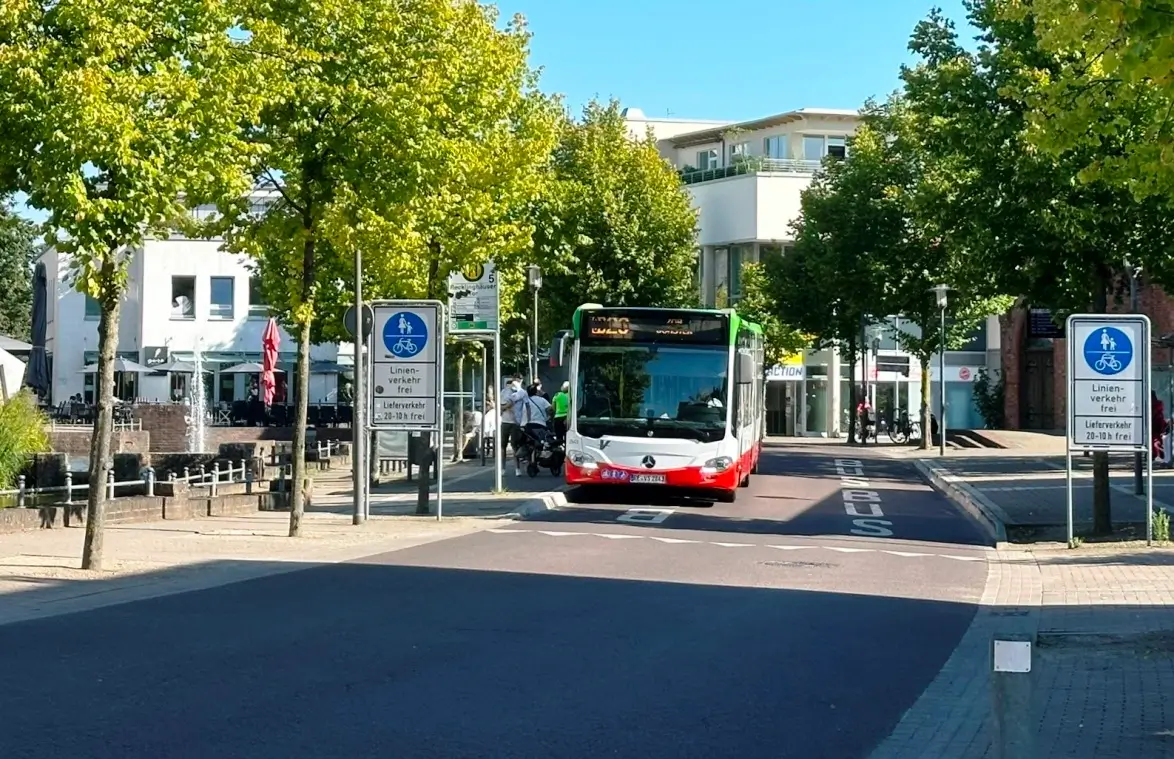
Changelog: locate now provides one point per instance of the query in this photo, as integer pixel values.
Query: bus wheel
(727, 496)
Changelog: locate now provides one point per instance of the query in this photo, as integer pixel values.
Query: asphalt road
(763, 628)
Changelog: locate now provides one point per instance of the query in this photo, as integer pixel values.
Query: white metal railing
(202, 477)
(751, 165)
(324, 448)
(131, 425)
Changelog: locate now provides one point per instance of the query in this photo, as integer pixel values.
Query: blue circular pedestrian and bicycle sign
(1108, 351)
(405, 334)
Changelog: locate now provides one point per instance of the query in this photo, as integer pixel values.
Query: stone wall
(76, 442)
(141, 509)
(166, 424)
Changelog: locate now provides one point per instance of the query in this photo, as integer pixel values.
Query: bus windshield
(652, 391)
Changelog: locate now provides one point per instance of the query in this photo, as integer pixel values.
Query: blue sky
(735, 59)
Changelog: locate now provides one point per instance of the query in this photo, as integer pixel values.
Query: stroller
(541, 450)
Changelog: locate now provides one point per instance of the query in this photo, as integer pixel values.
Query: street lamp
(939, 292)
(534, 279)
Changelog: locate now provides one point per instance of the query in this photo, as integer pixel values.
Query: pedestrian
(513, 395)
(1158, 426)
(562, 406)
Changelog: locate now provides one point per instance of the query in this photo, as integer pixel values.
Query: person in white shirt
(513, 398)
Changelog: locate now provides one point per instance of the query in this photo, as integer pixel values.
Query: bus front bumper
(698, 478)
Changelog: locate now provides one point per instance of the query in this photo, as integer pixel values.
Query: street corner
(981, 510)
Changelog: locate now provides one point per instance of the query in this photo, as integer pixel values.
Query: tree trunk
(100, 460)
(297, 503)
(926, 425)
(1102, 506)
(458, 426)
(424, 461)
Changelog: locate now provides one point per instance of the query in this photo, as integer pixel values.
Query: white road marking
(677, 541)
(645, 516)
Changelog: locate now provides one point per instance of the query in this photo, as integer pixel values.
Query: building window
(813, 147)
(837, 147)
(220, 303)
(775, 147)
(739, 152)
(183, 297)
(707, 159)
(93, 308)
(258, 307)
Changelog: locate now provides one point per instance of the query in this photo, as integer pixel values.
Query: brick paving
(1103, 667)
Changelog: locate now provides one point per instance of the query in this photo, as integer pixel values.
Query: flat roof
(704, 136)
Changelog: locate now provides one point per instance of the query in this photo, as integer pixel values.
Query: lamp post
(534, 278)
(939, 292)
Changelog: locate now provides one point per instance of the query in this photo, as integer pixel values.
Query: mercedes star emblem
(648, 462)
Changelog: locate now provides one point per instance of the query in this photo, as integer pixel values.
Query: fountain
(198, 405)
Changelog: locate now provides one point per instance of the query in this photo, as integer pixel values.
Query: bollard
(1014, 727)
(203, 474)
(248, 480)
(109, 485)
(20, 492)
(171, 479)
(244, 467)
(215, 477)
(69, 487)
(150, 482)
(187, 475)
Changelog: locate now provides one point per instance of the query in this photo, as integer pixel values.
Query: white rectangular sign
(406, 359)
(473, 300)
(1108, 382)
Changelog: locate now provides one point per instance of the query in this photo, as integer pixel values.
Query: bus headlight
(583, 461)
(718, 465)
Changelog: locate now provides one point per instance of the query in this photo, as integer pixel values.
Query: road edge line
(966, 498)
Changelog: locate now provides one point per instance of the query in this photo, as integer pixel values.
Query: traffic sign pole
(1108, 395)
(358, 427)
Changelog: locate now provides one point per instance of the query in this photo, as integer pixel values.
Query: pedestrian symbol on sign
(405, 334)
(1108, 351)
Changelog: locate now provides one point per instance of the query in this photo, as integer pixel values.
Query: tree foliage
(411, 131)
(18, 253)
(758, 305)
(115, 116)
(616, 226)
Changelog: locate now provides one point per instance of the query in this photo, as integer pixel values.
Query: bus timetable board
(655, 327)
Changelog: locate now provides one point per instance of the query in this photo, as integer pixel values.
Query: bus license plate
(648, 479)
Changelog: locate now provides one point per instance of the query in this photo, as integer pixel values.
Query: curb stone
(540, 505)
(969, 500)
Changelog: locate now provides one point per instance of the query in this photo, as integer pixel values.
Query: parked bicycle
(904, 429)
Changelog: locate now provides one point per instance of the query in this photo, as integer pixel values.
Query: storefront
(799, 396)
(784, 394)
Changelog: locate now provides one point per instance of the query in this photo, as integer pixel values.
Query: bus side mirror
(745, 369)
(558, 348)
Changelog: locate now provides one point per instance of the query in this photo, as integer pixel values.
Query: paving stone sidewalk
(40, 571)
(1103, 668)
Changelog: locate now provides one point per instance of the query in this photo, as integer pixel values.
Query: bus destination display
(665, 327)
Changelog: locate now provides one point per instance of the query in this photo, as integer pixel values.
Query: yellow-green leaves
(409, 129)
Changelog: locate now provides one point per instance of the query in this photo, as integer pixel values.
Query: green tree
(18, 253)
(1111, 57)
(616, 226)
(117, 115)
(1017, 215)
(410, 130)
(758, 305)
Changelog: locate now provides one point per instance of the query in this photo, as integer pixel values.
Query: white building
(745, 179)
(183, 296)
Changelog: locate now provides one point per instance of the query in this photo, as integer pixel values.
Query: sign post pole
(1108, 395)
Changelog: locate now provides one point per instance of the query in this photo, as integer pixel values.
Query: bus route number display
(656, 328)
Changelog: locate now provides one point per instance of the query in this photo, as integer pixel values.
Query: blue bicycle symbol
(1107, 363)
(405, 334)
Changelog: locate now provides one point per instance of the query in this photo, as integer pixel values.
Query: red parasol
(270, 342)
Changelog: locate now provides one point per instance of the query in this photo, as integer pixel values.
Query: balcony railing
(752, 165)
